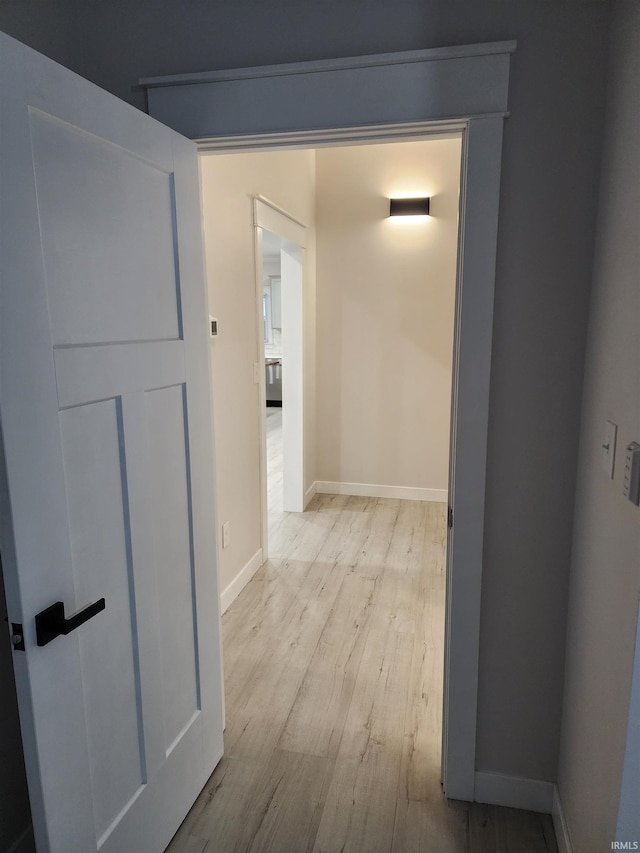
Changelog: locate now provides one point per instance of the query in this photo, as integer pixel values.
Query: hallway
(333, 668)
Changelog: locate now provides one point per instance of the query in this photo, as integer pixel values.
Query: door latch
(449, 517)
(17, 637)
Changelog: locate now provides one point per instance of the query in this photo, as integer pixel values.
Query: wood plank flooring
(333, 684)
(274, 468)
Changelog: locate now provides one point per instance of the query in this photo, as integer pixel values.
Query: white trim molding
(369, 490)
(268, 215)
(560, 824)
(341, 64)
(361, 135)
(371, 99)
(308, 495)
(435, 84)
(515, 792)
(233, 590)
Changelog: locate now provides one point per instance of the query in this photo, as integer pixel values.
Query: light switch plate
(608, 448)
(631, 485)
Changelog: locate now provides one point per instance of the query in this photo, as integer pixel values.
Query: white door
(107, 488)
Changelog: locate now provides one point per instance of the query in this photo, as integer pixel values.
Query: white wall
(386, 294)
(228, 182)
(605, 570)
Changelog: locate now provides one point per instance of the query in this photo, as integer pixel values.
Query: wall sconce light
(409, 206)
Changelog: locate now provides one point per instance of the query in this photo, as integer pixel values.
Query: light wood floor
(274, 467)
(333, 681)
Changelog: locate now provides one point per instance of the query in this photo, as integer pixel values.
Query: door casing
(398, 97)
(293, 234)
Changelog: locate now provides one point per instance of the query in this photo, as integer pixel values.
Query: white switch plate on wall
(609, 448)
(631, 485)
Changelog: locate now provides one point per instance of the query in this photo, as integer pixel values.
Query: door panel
(98, 529)
(124, 289)
(167, 460)
(107, 441)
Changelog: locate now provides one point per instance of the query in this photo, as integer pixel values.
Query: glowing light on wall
(409, 206)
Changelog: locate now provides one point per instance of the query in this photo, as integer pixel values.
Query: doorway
(395, 96)
(280, 282)
(271, 305)
(383, 324)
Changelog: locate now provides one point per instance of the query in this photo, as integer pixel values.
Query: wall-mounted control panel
(631, 485)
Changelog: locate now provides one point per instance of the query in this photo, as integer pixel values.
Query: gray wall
(548, 203)
(51, 28)
(605, 571)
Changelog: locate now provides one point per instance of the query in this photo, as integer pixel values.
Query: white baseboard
(243, 577)
(313, 488)
(560, 824)
(25, 842)
(515, 792)
(368, 490)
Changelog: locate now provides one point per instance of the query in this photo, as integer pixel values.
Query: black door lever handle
(51, 623)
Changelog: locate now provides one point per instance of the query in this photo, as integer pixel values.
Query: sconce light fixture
(409, 206)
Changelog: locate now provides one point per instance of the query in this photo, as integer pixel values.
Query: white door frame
(293, 233)
(380, 98)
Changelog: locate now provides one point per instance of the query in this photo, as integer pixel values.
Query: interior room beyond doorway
(378, 319)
